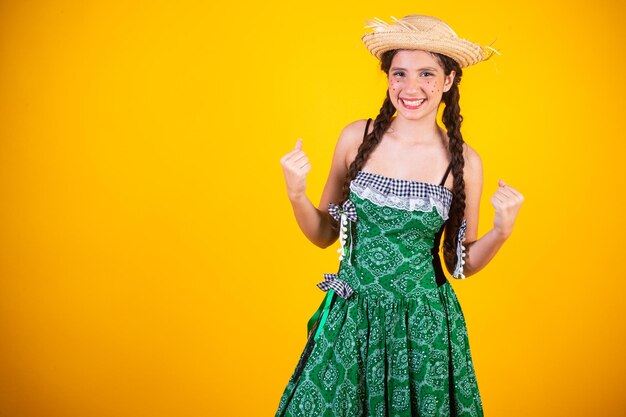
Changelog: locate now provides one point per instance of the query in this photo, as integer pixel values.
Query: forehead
(410, 58)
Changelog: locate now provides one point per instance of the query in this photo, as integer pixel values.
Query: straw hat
(426, 33)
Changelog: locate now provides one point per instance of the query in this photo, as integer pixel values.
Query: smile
(412, 104)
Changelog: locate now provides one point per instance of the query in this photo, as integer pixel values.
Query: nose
(412, 85)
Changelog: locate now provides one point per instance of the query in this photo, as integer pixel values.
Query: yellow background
(150, 263)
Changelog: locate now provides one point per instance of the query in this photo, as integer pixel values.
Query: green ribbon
(323, 310)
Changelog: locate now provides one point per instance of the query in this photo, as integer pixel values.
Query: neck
(416, 131)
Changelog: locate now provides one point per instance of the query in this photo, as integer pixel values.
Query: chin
(413, 116)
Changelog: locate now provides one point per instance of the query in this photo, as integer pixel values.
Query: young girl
(390, 337)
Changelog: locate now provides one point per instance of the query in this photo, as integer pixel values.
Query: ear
(448, 81)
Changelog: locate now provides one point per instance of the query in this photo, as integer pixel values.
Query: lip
(412, 99)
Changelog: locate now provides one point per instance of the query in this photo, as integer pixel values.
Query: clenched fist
(295, 167)
(507, 201)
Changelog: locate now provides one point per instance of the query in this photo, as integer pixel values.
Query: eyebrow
(420, 69)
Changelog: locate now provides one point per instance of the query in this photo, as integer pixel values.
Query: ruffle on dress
(460, 252)
(344, 213)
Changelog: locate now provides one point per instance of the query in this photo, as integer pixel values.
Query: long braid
(452, 119)
(381, 124)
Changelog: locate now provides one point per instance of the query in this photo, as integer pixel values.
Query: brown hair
(452, 120)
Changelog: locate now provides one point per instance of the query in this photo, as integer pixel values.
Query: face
(416, 84)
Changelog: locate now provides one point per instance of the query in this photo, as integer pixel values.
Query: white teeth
(413, 102)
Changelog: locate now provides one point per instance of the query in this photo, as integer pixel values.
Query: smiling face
(417, 82)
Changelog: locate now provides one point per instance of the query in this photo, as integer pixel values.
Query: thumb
(299, 144)
(501, 183)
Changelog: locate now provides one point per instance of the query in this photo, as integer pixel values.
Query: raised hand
(507, 202)
(295, 168)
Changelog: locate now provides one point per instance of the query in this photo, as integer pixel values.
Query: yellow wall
(150, 264)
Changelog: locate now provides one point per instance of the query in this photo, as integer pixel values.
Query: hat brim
(464, 52)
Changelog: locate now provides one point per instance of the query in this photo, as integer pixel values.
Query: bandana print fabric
(394, 342)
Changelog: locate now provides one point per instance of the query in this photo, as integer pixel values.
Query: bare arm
(506, 201)
(315, 222)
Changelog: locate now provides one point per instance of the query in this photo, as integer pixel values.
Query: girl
(390, 338)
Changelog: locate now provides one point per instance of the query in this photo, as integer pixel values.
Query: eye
(398, 74)
(428, 74)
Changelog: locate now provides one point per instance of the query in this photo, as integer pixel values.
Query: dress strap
(367, 128)
(446, 174)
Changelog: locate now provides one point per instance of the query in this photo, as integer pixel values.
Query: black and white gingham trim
(403, 194)
(347, 207)
(404, 188)
(340, 286)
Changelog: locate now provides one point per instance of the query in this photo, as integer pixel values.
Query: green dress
(390, 338)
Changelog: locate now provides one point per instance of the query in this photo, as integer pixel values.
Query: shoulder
(471, 156)
(351, 138)
(473, 170)
(355, 131)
